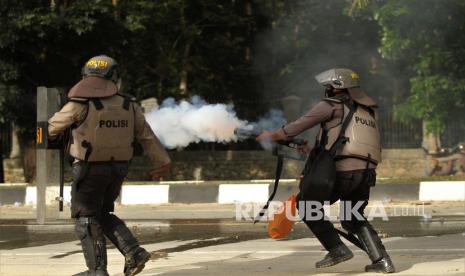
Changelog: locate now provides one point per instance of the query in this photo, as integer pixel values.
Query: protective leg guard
(93, 245)
(336, 255)
(381, 262)
(118, 233)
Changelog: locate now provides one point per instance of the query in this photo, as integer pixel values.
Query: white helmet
(342, 78)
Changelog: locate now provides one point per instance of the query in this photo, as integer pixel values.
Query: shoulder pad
(127, 96)
(79, 100)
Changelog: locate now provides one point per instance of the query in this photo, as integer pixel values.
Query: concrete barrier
(442, 190)
(231, 193)
(227, 192)
(144, 194)
(12, 193)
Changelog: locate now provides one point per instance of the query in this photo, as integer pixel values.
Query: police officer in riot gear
(104, 125)
(348, 131)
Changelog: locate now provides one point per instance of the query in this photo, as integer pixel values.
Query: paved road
(228, 211)
(226, 247)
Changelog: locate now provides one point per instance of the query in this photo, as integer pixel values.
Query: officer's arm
(318, 114)
(152, 146)
(321, 112)
(72, 112)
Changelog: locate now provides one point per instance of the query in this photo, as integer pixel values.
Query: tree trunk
(160, 88)
(248, 49)
(184, 74)
(2, 175)
(431, 141)
(115, 12)
(15, 146)
(183, 84)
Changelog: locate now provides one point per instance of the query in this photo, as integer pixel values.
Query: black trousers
(95, 187)
(352, 188)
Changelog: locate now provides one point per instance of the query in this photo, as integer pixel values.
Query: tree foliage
(428, 36)
(44, 45)
(303, 38)
(250, 53)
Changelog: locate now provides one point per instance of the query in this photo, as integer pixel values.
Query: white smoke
(178, 124)
(271, 121)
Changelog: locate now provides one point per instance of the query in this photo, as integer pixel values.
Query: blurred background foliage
(409, 54)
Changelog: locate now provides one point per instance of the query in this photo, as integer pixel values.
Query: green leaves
(426, 35)
(248, 52)
(44, 46)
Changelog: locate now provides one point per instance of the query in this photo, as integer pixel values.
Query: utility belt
(364, 158)
(81, 169)
(77, 161)
(364, 175)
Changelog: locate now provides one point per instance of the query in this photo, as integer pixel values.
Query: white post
(47, 161)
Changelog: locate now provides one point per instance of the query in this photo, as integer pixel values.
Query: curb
(189, 192)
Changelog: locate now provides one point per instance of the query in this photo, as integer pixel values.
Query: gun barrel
(247, 133)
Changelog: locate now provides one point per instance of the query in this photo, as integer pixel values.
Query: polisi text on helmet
(97, 63)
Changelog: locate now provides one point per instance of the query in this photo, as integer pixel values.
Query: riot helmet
(338, 78)
(102, 66)
(100, 78)
(342, 78)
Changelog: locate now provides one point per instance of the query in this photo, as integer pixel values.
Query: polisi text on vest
(113, 123)
(366, 122)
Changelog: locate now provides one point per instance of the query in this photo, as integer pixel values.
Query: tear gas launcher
(278, 147)
(279, 150)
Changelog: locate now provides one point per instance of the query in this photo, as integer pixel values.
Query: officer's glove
(304, 149)
(157, 174)
(55, 142)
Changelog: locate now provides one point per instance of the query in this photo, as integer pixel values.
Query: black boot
(135, 261)
(381, 262)
(336, 255)
(384, 265)
(118, 233)
(93, 245)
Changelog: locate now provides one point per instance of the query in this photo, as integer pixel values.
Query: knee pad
(82, 228)
(88, 226)
(110, 220)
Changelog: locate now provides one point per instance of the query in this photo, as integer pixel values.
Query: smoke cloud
(178, 124)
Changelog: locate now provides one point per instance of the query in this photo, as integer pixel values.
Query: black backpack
(319, 175)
